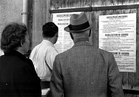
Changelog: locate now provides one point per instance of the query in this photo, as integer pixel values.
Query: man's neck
(49, 39)
(81, 39)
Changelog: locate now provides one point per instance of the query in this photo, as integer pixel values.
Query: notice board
(117, 34)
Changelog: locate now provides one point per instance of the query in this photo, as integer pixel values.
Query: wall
(40, 16)
(10, 11)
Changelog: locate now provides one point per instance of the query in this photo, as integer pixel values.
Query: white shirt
(43, 51)
(1, 52)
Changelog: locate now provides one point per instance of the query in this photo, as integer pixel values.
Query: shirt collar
(47, 42)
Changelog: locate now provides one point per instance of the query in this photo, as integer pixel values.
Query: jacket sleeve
(114, 78)
(29, 82)
(56, 84)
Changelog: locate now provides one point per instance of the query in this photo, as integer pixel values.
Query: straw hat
(78, 23)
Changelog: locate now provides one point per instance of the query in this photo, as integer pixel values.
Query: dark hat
(78, 23)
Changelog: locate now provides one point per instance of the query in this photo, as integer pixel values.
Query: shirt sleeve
(50, 57)
(32, 57)
(1, 52)
(28, 81)
(38, 63)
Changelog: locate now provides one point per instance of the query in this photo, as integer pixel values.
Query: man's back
(41, 54)
(84, 71)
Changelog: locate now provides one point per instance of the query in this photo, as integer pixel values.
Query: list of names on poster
(117, 34)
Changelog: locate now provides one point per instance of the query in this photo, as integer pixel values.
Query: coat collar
(16, 53)
(82, 41)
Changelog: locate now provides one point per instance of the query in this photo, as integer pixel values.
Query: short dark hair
(49, 29)
(12, 36)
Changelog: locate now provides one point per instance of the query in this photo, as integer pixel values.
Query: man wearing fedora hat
(83, 70)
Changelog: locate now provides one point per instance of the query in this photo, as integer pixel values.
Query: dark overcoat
(85, 71)
(18, 77)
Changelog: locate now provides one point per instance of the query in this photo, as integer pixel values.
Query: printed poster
(117, 34)
(64, 41)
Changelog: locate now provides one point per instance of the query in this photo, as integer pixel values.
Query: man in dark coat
(83, 70)
(17, 74)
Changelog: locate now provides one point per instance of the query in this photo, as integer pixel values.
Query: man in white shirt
(43, 55)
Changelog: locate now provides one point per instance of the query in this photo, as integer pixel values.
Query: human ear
(21, 42)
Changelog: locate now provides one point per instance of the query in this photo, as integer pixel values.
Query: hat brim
(77, 31)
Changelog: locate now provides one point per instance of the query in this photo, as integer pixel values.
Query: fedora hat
(78, 23)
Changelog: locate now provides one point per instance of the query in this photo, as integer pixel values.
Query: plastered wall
(10, 11)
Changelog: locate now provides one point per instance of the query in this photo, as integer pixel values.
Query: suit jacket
(85, 71)
(18, 77)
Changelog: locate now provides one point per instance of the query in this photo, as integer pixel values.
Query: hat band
(79, 27)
